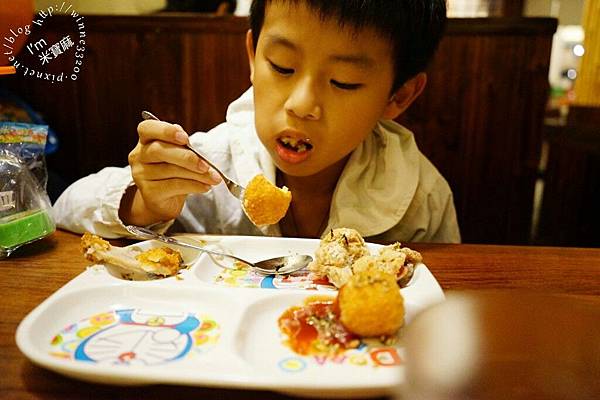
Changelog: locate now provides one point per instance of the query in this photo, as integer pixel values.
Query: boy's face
(318, 89)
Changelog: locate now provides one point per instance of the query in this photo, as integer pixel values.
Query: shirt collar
(378, 183)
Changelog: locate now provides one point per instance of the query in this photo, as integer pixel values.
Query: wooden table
(36, 271)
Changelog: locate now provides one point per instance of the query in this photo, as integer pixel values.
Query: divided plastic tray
(206, 327)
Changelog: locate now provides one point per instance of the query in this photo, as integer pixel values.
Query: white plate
(206, 328)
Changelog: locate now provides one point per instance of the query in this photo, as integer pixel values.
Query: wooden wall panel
(183, 68)
(570, 215)
(479, 119)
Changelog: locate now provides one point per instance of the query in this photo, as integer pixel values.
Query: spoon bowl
(283, 265)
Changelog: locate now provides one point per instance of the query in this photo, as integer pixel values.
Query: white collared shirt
(388, 189)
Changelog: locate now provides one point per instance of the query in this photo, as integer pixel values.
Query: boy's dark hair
(414, 27)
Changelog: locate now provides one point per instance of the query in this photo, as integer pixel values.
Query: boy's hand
(164, 172)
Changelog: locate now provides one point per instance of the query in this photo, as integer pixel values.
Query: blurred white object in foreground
(504, 345)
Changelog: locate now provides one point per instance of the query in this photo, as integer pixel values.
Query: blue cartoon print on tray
(136, 337)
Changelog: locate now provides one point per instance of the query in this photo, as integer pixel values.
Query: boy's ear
(250, 52)
(403, 97)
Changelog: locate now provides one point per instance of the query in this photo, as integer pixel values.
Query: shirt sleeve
(444, 227)
(432, 216)
(92, 204)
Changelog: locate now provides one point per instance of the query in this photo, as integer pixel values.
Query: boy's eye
(346, 86)
(281, 70)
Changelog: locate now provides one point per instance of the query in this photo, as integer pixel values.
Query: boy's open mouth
(297, 145)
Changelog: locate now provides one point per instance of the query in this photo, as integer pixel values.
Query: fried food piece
(338, 276)
(343, 253)
(159, 261)
(371, 304)
(265, 203)
(391, 259)
(337, 251)
(341, 247)
(164, 260)
(93, 246)
(402, 258)
(412, 256)
(389, 263)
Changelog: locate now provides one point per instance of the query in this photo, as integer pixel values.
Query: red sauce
(322, 281)
(315, 328)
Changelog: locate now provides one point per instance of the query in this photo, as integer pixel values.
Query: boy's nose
(303, 102)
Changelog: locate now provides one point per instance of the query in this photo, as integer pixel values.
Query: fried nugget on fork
(265, 203)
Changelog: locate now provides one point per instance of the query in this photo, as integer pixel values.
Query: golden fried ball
(264, 203)
(371, 304)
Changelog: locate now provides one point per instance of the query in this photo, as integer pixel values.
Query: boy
(328, 76)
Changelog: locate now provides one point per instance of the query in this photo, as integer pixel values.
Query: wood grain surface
(36, 271)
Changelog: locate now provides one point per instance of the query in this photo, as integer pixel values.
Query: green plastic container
(24, 227)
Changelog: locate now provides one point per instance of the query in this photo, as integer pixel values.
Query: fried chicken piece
(412, 258)
(393, 259)
(159, 261)
(341, 247)
(388, 262)
(343, 253)
(336, 253)
(371, 304)
(164, 260)
(338, 276)
(265, 203)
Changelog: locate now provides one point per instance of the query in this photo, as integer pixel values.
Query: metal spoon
(234, 188)
(274, 266)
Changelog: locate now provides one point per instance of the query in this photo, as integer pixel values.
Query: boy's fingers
(175, 187)
(162, 152)
(151, 130)
(163, 171)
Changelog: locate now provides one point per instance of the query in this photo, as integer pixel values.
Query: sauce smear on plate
(315, 327)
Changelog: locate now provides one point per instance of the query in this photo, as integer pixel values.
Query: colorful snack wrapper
(24, 203)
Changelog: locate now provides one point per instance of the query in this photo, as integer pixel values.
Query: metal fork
(234, 188)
